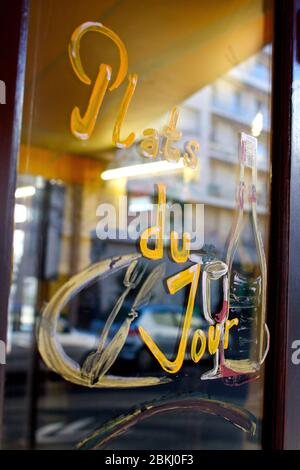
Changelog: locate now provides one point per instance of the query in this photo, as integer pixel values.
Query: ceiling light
(257, 124)
(20, 213)
(142, 169)
(24, 191)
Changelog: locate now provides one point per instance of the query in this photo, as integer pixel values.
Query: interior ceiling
(176, 48)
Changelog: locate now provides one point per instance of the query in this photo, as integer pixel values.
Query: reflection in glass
(63, 185)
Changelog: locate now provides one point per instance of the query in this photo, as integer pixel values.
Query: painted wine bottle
(247, 274)
(244, 282)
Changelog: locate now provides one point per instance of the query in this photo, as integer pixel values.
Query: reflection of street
(68, 413)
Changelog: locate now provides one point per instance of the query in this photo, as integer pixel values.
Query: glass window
(141, 223)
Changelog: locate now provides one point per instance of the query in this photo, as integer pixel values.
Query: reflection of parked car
(163, 323)
(75, 342)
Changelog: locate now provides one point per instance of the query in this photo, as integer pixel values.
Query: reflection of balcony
(228, 154)
(214, 189)
(253, 77)
(223, 203)
(259, 71)
(225, 153)
(223, 191)
(237, 115)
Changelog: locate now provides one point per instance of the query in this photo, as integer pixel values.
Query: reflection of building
(234, 103)
(213, 116)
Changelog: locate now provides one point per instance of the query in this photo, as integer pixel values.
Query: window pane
(142, 121)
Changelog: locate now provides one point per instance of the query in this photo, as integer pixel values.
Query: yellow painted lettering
(157, 231)
(175, 283)
(82, 127)
(171, 135)
(214, 335)
(126, 143)
(199, 335)
(180, 256)
(190, 156)
(149, 146)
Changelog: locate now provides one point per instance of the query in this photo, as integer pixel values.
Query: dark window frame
(13, 40)
(281, 423)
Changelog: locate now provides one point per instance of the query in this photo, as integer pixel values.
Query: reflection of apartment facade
(214, 116)
(238, 101)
